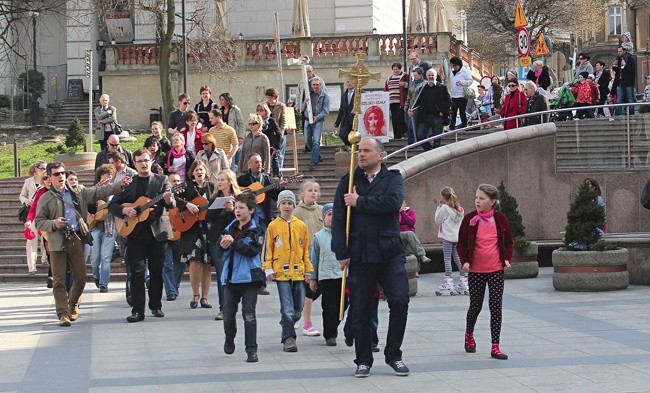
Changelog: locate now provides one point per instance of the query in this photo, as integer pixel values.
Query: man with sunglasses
(145, 244)
(113, 145)
(60, 215)
(177, 117)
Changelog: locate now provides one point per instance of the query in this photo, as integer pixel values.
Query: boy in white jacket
(449, 215)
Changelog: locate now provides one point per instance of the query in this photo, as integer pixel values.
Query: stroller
(562, 98)
(477, 112)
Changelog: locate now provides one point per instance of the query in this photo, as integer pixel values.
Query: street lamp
(35, 108)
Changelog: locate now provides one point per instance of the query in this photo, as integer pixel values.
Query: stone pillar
(306, 47)
(373, 47)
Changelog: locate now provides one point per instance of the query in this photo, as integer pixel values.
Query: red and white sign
(523, 41)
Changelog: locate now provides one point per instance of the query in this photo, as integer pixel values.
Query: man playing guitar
(255, 174)
(145, 242)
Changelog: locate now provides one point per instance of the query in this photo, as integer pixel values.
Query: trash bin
(155, 114)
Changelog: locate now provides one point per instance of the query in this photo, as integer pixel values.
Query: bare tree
(491, 22)
(209, 44)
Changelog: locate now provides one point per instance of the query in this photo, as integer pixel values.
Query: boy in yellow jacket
(287, 263)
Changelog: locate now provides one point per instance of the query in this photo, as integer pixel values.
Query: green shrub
(585, 218)
(5, 101)
(76, 136)
(509, 207)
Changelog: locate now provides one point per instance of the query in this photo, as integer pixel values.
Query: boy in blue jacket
(242, 274)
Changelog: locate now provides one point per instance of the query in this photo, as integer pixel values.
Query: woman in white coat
(461, 77)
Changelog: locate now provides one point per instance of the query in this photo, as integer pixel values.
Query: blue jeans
(410, 135)
(436, 123)
(101, 255)
(173, 269)
(281, 151)
(247, 294)
(235, 159)
(624, 95)
(313, 133)
(216, 255)
(363, 279)
(292, 298)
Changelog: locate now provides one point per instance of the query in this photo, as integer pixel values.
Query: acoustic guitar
(100, 215)
(183, 220)
(260, 190)
(125, 226)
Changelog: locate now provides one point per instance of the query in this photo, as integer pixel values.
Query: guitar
(100, 215)
(260, 191)
(125, 226)
(183, 220)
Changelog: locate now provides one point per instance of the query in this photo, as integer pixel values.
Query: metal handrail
(503, 119)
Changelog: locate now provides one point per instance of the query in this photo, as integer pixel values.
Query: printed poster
(375, 113)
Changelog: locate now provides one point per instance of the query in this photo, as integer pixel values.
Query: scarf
(538, 73)
(484, 218)
(174, 154)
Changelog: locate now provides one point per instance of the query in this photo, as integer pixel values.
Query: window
(615, 20)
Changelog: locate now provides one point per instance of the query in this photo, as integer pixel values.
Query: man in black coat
(147, 239)
(432, 105)
(113, 144)
(374, 253)
(345, 116)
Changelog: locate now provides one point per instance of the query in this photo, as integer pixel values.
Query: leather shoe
(64, 320)
(252, 357)
(74, 312)
(157, 313)
(229, 347)
(135, 317)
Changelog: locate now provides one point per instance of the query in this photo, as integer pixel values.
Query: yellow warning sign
(520, 18)
(542, 48)
(525, 61)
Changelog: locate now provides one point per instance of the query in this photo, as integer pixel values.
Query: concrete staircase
(68, 111)
(13, 266)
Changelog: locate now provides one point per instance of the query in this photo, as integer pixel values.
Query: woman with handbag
(31, 185)
(461, 90)
(106, 116)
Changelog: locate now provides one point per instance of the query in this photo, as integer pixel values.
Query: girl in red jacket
(485, 248)
(514, 103)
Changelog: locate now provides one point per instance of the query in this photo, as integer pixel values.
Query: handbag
(469, 93)
(118, 129)
(22, 213)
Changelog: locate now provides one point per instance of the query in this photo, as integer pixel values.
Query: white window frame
(614, 14)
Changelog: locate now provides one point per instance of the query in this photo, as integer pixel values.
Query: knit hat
(286, 195)
(327, 208)
(584, 74)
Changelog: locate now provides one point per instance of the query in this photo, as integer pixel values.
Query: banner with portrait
(375, 113)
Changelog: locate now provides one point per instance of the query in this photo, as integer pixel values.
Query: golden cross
(359, 75)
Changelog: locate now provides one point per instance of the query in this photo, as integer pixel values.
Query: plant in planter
(68, 154)
(524, 262)
(587, 263)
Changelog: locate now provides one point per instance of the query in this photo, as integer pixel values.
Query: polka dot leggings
(477, 283)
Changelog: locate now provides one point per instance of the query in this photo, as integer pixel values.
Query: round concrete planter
(590, 271)
(77, 161)
(524, 264)
(411, 274)
(342, 159)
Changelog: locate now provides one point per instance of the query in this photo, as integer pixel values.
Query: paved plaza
(573, 342)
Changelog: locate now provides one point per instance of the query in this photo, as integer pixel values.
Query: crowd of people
(192, 202)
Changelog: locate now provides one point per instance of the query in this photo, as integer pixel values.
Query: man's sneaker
(399, 367)
(103, 288)
(375, 348)
(330, 342)
(263, 291)
(252, 357)
(64, 320)
(289, 345)
(311, 332)
(362, 371)
(218, 317)
(74, 312)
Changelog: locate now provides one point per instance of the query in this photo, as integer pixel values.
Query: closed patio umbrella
(417, 21)
(222, 15)
(300, 27)
(439, 17)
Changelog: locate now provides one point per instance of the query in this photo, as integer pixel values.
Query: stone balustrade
(256, 51)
